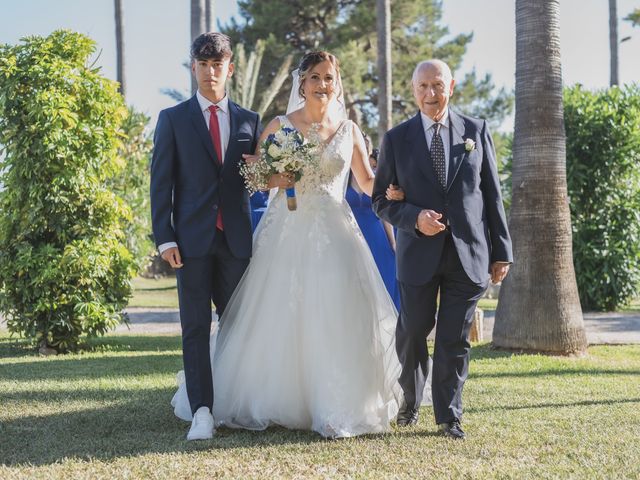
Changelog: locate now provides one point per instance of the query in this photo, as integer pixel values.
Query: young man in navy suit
(452, 238)
(200, 208)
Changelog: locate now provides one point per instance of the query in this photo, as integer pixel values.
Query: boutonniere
(469, 145)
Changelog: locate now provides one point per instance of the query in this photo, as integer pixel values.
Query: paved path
(602, 328)
(609, 328)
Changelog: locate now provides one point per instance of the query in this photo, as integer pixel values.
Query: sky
(157, 39)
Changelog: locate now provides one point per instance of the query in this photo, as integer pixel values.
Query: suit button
(215, 207)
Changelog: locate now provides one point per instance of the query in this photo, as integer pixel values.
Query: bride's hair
(312, 59)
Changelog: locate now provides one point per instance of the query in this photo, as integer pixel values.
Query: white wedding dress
(307, 340)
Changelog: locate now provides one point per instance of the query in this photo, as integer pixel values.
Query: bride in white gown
(307, 340)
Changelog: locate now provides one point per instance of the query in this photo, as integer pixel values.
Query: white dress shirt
(223, 118)
(429, 130)
(224, 122)
(427, 125)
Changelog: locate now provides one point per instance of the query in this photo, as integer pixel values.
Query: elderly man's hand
(428, 223)
(499, 271)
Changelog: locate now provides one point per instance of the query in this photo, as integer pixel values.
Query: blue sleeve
(162, 180)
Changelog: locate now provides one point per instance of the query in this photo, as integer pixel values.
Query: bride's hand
(395, 193)
(250, 158)
(282, 180)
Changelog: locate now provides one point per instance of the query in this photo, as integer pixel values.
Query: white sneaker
(201, 425)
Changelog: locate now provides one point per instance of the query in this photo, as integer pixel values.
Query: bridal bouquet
(282, 152)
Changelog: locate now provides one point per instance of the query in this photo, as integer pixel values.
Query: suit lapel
(457, 152)
(197, 118)
(230, 155)
(420, 151)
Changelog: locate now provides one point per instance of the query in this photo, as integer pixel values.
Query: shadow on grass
(583, 403)
(484, 351)
(420, 431)
(136, 423)
(156, 289)
(80, 367)
(554, 372)
(138, 343)
(103, 421)
(16, 348)
(20, 348)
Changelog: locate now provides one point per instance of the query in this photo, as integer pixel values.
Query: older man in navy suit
(452, 238)
(200, 208)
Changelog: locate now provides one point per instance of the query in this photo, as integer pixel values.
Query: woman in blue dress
(258, 206)
(378, 234)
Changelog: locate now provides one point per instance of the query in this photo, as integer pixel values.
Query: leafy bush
(503, 142)
(65, 269)
(132, 185)
(603, 178)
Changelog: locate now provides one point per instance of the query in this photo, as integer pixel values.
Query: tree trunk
(613, 42)
(198, 25)
(120, 46)
(539, 307)
(208, 15)
(274, 87)
(383, 22)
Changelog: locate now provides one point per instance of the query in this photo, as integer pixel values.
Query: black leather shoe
(452, 429)
(407, 416)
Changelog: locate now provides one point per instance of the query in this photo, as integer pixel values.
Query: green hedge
(603, 178)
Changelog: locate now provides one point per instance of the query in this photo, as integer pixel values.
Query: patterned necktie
(214, 130)
(437, 156)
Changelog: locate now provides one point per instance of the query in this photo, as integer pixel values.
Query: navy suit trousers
(200, 281)
(452, 318)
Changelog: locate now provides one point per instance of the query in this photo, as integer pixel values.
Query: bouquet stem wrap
(292, 204)
(285, 150)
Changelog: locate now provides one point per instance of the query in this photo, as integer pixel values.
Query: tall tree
(613, 42)
(242, 86)
(209, 15)
(348, 29)
(634, 17)
(120, 46)
(198, 26)
(383, 21)
(539, 308)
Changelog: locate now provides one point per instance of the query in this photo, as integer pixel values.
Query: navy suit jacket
(189, 186)
(471, 203)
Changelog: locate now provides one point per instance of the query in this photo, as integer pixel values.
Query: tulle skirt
(307, 340)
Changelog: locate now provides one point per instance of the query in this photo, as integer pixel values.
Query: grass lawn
(106, 414)
(633, 307)
(149, 293)
(488, 303)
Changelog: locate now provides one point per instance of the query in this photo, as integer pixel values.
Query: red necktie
(214, 130)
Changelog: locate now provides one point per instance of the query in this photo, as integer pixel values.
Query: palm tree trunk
(208, 15)
(383, 22)
(539, 307)
(613, 42)
(120, 46)
(274, 87)
(198, 25)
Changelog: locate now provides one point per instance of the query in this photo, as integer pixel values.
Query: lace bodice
(330, 174)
